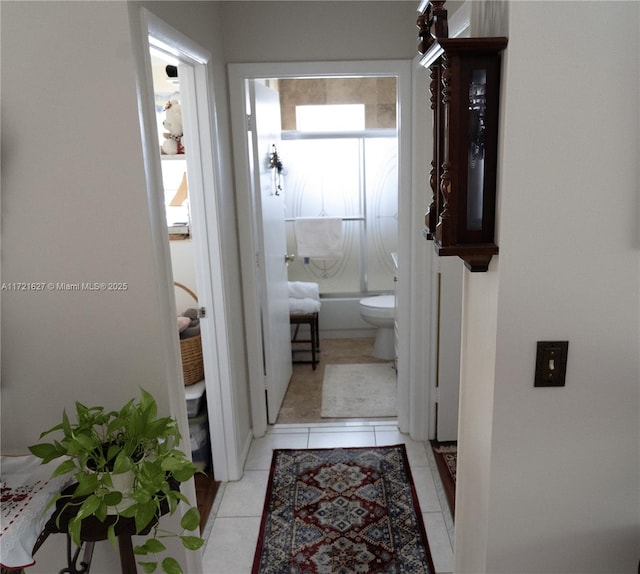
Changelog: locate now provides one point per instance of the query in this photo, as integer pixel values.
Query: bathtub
(340, 318)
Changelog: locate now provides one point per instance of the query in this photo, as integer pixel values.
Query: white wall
(304, 31)
(549, 478)
(75, 210)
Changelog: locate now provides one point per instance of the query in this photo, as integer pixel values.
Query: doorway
(168, 106)
(200, 138)
(239, 75)
(339, 149)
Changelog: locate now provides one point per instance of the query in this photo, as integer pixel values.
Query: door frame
(410, 416)
(204, 181)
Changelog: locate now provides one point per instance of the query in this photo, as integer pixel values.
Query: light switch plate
(551, 363)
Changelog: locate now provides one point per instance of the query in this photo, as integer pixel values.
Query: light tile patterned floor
(235, 518)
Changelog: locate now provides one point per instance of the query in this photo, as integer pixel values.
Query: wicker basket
(191, 351)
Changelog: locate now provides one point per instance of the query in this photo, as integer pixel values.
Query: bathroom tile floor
(233, 527)
(303, 399)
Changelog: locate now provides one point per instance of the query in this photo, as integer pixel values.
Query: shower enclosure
(352, 175)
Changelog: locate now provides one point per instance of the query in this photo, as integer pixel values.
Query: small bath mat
(359, 391)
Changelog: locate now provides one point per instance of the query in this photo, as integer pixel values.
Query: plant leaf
(101, 512)
(154, 545)
(130, 511)
(149, 567)
(85, 441)
(52, 429)
(75, 524)
(145, 514)
(64, 468)
(111, 535)
(87, 484)
(122, 463)
(65, 425)
(171, 566)
(88, 507)
(191, 519)
(112, 498)
(46, 451)
(192, 542)
(184, 474)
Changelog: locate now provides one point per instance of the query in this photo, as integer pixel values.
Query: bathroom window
(330, 118)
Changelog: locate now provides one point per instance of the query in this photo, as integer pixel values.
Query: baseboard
(347, 334)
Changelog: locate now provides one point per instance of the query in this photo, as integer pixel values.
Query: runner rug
(446, 455)
(342, 511)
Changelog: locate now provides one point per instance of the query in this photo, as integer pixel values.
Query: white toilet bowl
(380, 311)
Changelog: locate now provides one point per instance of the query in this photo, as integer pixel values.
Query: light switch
(551, 363)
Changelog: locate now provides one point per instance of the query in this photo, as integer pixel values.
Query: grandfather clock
(465, 100)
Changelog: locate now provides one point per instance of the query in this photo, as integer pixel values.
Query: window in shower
(352, 175)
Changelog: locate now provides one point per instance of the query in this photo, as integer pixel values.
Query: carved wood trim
(460, 218)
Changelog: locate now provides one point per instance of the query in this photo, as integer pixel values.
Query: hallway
(233, 528)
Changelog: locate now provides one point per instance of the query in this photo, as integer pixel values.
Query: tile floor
(232, 529)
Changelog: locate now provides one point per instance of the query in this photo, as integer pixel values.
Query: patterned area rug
(446, 455)
(342, 511)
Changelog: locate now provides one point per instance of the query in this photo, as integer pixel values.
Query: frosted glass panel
(321, 177)
(340, 275)
(349, 178)
(381, 183)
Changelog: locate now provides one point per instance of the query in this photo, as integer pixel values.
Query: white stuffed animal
(173, 123)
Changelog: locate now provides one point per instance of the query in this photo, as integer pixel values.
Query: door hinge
(249, 122)
(202, 312)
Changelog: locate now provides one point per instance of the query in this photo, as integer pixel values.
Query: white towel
(304, 290)
(319, 237)
(303, 306)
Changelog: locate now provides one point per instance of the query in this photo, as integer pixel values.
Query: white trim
(248, 241)
(422, 322)
(238, 74)
(460, 21)
(204, 179)
(140, 26)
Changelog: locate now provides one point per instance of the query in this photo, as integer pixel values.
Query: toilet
(380, 311)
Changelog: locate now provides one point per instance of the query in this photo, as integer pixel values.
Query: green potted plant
(127, 466)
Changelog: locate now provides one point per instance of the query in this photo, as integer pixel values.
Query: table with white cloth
(26, 489)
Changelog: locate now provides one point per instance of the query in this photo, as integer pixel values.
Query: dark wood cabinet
(465, 100)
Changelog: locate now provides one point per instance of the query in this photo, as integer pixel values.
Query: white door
(271, 248)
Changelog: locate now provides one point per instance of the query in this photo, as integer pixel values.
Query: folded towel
(319, 237)
(304, 289)
(303, 306)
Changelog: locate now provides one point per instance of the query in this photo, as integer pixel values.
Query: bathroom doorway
(339, 154)
(401, 72)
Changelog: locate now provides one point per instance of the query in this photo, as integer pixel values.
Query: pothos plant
(99, 448)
